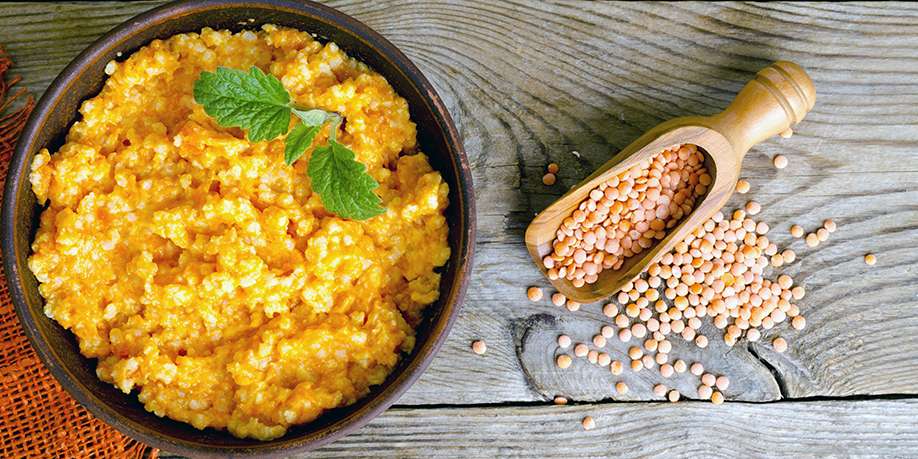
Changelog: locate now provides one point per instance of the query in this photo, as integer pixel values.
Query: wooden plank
(878, 428)
(530, 81)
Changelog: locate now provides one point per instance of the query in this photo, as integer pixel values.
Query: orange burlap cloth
(37, 417)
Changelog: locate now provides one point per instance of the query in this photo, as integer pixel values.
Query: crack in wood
(779, 379)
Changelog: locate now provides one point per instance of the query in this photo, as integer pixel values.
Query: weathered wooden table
(529, 82)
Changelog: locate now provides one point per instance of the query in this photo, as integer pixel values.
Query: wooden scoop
(777, 99)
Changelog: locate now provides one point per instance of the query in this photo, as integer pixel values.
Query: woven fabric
(37, 417)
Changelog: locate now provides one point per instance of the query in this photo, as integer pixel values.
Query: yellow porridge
(202, 271)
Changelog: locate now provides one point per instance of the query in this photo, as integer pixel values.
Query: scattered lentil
(722, 382)
(599, 341)
(777, 260)
(870, 259)
(549, 179)
(785, 281)
(673, 396)
(581, 350)
(610, 310)
(638, 330)
(534, 293)
(717, 398)
(616, 367)
(588, 423)
(779, 344)
(664, 347)
(553, 168)
(563, 361)
(621, 387)
(635, 352)
(679, 365)
(812, 240)
(742, 186)
(637, 365)
(607, 331)
(701, 341)
(558, 299)
(704, 392)
(796, 231)
(659, 390)
(696, 369)
(666, 370)
(708, 379)
(780, 161)
(604, 359)
(829, 225)
(564, 341)
(559, 400)
(479, 347)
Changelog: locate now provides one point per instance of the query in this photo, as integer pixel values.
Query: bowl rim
(374, 404)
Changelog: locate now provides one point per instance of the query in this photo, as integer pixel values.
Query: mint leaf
(299, 139)
(314, 117)
(343, 183)
(253, 101)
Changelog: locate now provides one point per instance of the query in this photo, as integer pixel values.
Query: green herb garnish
(258, 103)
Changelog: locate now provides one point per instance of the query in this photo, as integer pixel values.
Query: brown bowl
(83, 79)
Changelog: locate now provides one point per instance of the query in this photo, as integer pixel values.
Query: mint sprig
(258, 103)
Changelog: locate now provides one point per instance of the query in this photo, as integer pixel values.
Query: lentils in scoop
(626, 214)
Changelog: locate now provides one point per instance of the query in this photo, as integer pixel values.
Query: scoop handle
(777, 98)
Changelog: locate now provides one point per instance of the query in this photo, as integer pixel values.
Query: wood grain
(685, 429)
(528, 82)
